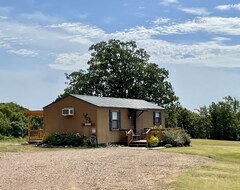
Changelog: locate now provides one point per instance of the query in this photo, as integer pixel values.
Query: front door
(132, 115)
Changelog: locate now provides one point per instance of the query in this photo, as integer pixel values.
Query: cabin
(108, 120)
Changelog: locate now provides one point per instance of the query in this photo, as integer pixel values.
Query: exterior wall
(104, 134)
(55, 122)
(145, 120)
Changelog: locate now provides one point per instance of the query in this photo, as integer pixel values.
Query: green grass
(221, 174)
(18, 147)
(11, 144)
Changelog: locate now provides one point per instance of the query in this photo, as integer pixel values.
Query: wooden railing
(155, 132)
(129, 136)
(36, 134)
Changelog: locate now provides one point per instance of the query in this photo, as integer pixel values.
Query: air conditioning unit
(67, 111)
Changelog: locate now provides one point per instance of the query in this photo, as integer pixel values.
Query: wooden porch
(34, 135)
(143, 140)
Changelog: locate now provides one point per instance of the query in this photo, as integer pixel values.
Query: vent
(67, 111)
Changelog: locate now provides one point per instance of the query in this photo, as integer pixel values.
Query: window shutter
(110, 120)
(160, 118)
(119, 120)
(154, 118)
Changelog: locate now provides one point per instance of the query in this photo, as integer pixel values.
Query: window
(114, 120)
(67, 111)
(157, 119)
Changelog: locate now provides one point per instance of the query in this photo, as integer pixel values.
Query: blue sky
(198, 41)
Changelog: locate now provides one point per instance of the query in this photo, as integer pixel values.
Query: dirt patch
(100, 168)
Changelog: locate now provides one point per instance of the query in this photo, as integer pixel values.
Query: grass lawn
(10, 144)
(221, 174)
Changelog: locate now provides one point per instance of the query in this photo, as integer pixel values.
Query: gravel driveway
(100, 168)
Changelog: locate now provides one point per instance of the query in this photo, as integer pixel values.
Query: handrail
(129, 136)
(149, 134)
(36, 134)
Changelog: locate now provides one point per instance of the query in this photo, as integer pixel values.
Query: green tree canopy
(12, 121)
(121, 69)
(219, 120)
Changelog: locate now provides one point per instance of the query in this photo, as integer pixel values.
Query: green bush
(153, 141)
(176, 137)
(64, 139)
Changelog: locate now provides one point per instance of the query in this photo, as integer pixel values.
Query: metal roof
(118, 102)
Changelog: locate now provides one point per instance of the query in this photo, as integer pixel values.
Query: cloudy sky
(198, 41)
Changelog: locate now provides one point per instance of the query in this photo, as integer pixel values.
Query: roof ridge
(108, 97)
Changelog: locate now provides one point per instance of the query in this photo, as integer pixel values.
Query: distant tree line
(14, 123)
(219, 120)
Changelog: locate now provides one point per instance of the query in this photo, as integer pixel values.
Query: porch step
(138, 143)
(34, 141)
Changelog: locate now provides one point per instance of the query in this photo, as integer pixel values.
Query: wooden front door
(132, 114)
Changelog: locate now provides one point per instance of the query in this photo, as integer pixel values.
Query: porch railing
(155, 132)
(129, 136)
(36, 134)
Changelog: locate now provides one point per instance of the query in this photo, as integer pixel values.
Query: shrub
(176, 138)
(64, 139)
(153, 141)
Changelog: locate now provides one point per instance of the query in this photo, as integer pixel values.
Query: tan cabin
(111, 120)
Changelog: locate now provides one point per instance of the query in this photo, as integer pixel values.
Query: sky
(197, 41)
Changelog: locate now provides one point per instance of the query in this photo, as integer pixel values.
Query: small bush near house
(153, 141)
(64, 139)
(176, 137)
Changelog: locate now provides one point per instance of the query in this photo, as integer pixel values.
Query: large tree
(121, 69)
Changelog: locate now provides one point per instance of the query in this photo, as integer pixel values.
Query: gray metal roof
(117, 102)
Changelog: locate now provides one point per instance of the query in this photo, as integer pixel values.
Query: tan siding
(55, 122)
(105, 135)
(145, 120)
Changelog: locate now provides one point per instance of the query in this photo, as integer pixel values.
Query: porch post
(29, 127)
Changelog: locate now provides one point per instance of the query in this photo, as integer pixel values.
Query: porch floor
(140, 141)
(35, 141)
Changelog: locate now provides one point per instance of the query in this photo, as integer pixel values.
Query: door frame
(133, 117)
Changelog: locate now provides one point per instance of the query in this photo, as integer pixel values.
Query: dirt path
(102, 168)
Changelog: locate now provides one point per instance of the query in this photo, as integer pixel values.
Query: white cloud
(4, 45)
(213, 25)
(228, 7)
(195, 10)
(212, 54)
(24, 52)
(65, 45)
(168, 2)
(161, 20)
(3, 17)
(70, 61)
(80, 29)
(220, 39)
